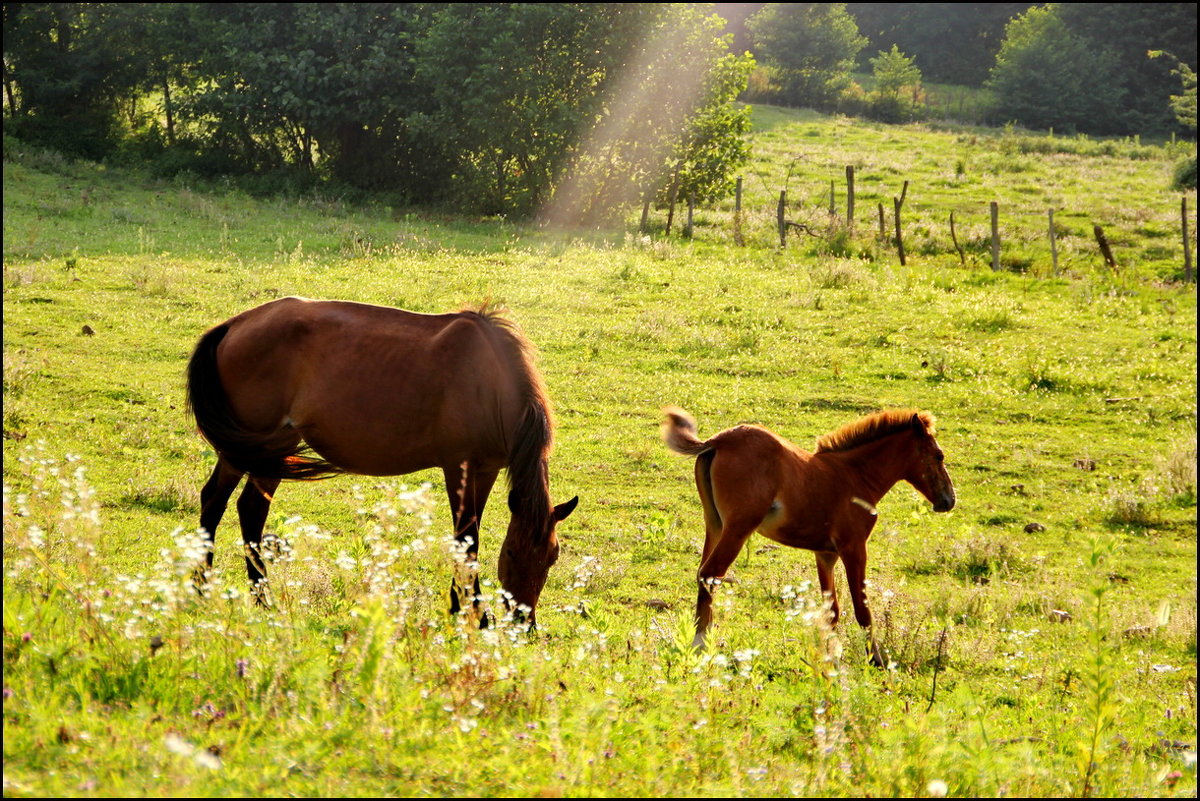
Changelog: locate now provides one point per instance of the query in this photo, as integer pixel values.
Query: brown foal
(751, 480)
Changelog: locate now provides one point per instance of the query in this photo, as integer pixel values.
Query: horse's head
(927, 471)
(530, 548)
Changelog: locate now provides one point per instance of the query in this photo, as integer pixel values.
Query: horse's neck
(875, 466)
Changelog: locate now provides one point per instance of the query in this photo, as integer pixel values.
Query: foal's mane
(872, 427)
(530, 444)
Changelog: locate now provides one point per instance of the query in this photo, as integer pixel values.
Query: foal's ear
(918, 425)
(563, 510)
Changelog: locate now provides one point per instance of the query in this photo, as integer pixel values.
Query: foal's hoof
(200, 581)
(261, 595)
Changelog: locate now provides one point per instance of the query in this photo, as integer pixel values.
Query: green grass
(1041, 660)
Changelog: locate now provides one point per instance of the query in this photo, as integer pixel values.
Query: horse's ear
(563, 510)
(917, 424)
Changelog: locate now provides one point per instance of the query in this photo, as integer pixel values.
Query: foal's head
(530, 549)
(927, 468)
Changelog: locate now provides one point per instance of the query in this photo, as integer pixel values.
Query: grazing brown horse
(750, 479)
(379, 391)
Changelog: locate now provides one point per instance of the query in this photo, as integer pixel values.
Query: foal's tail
(264, 455)
(679, 432)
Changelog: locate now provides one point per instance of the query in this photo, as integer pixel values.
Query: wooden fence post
(1053, 243)
(1105, 250)
(898, 202)
(850, 197)
(954, 238)
(737, 214)
(882, 228)
(671, 201)
(832, 199)
(995, 235)
(646, 210)
(1187, 247)
(779, 212)
(687, 231)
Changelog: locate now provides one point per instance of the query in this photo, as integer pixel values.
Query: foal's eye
(941, 457)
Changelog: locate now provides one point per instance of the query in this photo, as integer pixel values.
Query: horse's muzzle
(944, 504)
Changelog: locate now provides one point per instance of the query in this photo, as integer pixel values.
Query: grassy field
(1043, 633)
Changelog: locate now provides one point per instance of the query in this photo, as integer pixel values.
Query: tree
(512, 85)
(569, 110)
(1047, 76)
(304, 84)
(952, 42)
(813, 46)
(668, 125)
(894, 72)
(1084, 66)
(1127, 31)
(66, 65)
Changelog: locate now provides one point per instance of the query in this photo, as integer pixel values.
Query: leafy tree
(1127, 31)
(512, 85)
(894, 71)
(297, 83)
(571, 108)
(1047, 76)
(1184, 106)
(813, 46)
(952, 42)
(1085, 66)
(495, 104)
(668, 127)
(66, 65)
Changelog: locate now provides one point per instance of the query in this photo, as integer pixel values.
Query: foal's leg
(253, 505)
(712, 517)
(733, 536)
(214, 497)
(468, 489)
(855, 559)
(825, 562)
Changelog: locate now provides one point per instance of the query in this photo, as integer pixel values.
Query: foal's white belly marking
(870, 509)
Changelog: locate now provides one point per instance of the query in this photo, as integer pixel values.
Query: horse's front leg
(825, 563)
(253, 505)
(468, 489)
(855, 559)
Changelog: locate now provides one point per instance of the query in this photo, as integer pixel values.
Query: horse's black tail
(274, 454)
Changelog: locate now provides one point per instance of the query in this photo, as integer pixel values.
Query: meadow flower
(937, 788)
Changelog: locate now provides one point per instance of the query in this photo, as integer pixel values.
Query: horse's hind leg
(214, 498)
(253, 505)
(729, 544)
(468, 489)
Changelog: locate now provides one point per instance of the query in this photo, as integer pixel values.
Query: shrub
(1185, 175)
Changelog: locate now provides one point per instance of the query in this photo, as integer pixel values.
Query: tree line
(499, 108)
(1075, 67)
(568, 110)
